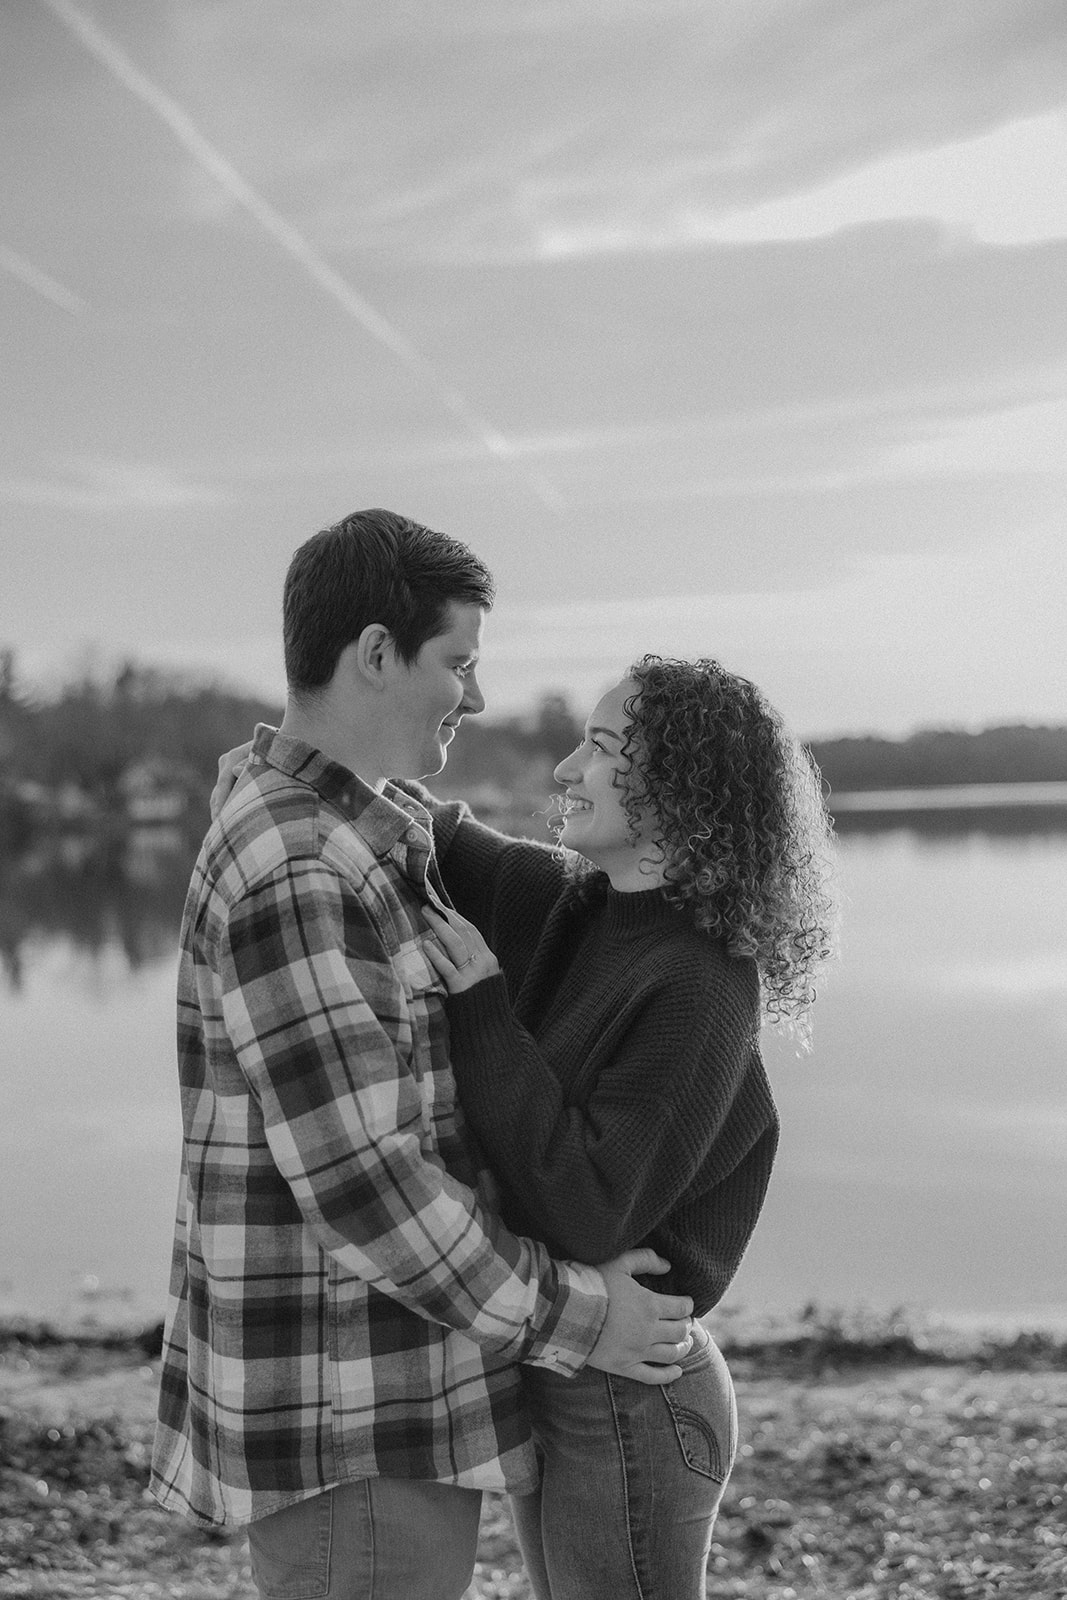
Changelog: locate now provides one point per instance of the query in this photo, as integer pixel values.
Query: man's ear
(373, 655)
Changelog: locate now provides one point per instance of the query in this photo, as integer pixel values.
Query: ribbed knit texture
(612, 1071)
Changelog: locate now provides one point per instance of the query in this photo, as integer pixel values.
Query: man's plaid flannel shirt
(342, 1304)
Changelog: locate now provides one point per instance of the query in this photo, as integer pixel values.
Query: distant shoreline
(953, 797)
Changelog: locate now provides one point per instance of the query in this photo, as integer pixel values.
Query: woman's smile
(596, 822)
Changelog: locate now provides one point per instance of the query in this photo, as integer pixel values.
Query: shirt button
(412, 836)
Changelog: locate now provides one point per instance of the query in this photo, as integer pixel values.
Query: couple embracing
(475, 1129)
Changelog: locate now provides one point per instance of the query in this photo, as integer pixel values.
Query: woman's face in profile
(595, 821)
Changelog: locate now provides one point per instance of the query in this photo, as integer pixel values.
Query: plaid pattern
(342, 1305)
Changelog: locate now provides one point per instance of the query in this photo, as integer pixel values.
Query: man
(346, 1313)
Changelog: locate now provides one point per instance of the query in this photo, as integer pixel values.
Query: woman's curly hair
(746, 840)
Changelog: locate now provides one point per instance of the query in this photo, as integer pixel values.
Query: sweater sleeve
(680, 1103)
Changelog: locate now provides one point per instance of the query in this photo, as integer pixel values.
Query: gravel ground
(856, 1482)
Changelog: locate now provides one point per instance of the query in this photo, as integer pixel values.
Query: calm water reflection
(924, 1142)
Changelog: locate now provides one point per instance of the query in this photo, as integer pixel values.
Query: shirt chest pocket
(428, 1024)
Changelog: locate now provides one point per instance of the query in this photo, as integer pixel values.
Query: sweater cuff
(480, 1018)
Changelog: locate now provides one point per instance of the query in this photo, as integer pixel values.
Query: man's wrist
(569, 1336)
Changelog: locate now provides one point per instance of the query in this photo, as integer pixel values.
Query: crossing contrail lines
(355, 305)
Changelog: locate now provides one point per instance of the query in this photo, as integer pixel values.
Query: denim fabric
(378, 1539)
(631, 1480)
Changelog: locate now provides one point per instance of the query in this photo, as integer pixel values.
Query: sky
(734, 329)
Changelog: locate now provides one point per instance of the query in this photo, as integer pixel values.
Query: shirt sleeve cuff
(568, 1336)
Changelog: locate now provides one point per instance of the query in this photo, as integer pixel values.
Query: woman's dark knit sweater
(611, 1072)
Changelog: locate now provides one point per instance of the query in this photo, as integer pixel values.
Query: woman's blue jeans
(631, 1480)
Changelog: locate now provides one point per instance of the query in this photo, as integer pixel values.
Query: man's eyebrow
(609, 731)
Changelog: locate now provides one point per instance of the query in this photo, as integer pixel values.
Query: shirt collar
(382, 819)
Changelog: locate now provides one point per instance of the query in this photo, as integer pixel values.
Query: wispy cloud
(553, 18)
(41, 283)
(109, 486)
(893, 418)
(737, 107)
(1024, 441)
(355, 305)
(1006, 187)
(830, 607)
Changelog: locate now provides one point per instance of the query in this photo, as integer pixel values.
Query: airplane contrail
(25, 271)
(355, 305)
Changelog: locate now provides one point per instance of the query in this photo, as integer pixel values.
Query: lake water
(924, 1148)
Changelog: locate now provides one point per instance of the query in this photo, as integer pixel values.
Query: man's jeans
(631, 1480)
(378, 1539)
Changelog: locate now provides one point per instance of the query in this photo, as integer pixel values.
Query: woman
(604, 1002)
(604, 1034)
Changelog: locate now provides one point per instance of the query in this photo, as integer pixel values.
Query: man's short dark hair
(374, 566)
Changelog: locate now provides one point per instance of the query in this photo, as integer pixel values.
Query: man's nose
(473, 699)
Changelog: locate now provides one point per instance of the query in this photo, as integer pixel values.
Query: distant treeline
(1018, 753)
(83, 752)
(104, 744)
(94, 729)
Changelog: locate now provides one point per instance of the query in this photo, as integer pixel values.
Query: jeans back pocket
(703, 1409)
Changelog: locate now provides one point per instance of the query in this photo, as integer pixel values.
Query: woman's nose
(566, 772)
